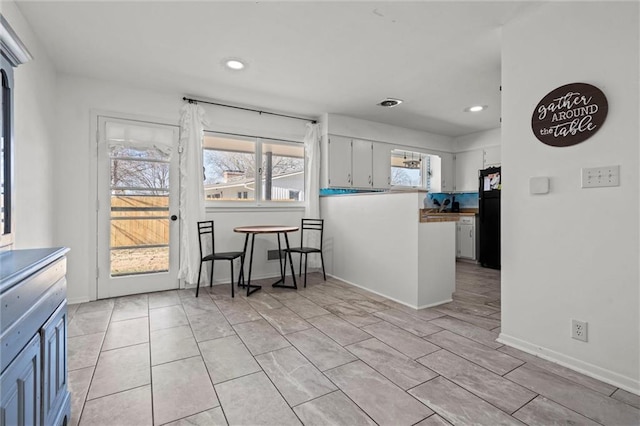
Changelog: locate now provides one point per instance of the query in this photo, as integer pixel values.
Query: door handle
(174, 217)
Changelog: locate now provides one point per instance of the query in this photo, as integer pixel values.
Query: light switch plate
(597, 177)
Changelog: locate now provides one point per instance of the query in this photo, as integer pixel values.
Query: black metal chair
(310, 225)
(205, 229)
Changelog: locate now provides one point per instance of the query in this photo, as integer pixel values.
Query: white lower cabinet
(466, 238)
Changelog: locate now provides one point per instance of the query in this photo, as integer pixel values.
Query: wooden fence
(139, 220)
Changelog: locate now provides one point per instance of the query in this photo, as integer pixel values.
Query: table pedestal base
(281, 283)
(251, 288)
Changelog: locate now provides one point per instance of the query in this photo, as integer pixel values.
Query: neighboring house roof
(247, 183)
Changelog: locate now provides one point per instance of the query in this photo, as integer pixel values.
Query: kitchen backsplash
(467, 200)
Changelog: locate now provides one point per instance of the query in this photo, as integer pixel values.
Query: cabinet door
(339, 162)
(446, 172)
(381, 165)
(467, 165)
(465, 241)
(20, 388)
(362, 163)
(492, 156)
(54, 374)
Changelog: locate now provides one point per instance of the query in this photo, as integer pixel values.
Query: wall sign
(569, 114)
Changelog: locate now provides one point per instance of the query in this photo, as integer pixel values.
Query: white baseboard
(602, 374)
(186, 285)
(77, 300)
(431, 305)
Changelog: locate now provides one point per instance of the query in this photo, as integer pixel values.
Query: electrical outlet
(596, 177)
(579, 330)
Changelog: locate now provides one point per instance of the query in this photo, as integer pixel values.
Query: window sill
(233, 208)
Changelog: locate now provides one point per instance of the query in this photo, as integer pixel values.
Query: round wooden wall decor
(569, 114)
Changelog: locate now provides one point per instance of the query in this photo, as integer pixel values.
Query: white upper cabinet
(467, 165)
(362, 164)
(446, 172)
(492, 156)
(356, 163)
(381, 165)
(339, 162)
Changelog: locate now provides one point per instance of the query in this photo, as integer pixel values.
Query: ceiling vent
(390, 102)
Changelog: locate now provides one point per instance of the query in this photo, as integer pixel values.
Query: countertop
(382, 192)
(432, 215)
(16, 265)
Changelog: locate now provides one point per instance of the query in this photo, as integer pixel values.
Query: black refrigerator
(490, 186)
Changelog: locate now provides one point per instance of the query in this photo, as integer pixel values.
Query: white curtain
(191, 189)
(312, 186)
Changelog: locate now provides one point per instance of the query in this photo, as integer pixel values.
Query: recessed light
(476, 108)
(234, 64)
(390, 102)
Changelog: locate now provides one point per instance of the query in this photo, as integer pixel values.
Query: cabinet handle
(470, 233)
(370, 180)
(349, 178)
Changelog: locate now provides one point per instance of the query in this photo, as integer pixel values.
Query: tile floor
(330, 354)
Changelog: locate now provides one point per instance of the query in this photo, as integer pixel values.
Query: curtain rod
(191, 101)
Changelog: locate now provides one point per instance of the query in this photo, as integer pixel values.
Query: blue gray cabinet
(20, 386)
(33, 338)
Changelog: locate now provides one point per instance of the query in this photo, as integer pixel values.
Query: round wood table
(267, 229)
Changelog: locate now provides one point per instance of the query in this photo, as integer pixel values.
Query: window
(413, 169)
(233, 164)
(13, 54)
(6, 172)
(407, 169)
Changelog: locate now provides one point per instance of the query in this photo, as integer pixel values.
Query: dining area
(314, 229)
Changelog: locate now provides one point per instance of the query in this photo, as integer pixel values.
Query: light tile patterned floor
(330, 354)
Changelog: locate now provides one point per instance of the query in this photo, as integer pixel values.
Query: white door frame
(96, 117)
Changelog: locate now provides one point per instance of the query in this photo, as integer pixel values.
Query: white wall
(477, 140)
(75, 177)
(35, 140)
(436, 263)
(573, 253)
(342, 125)
(227, 240)
(75, 160)
(375, 241)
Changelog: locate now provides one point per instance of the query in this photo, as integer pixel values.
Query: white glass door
(137, 207)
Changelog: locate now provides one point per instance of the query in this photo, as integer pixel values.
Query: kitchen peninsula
(376, 241)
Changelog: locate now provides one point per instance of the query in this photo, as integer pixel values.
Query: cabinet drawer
(21, 298)
(466, 220)
(15, 337)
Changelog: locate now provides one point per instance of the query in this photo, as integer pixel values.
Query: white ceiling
(305, 58)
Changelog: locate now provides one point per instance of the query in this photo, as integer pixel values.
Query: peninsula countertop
(433, 215)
